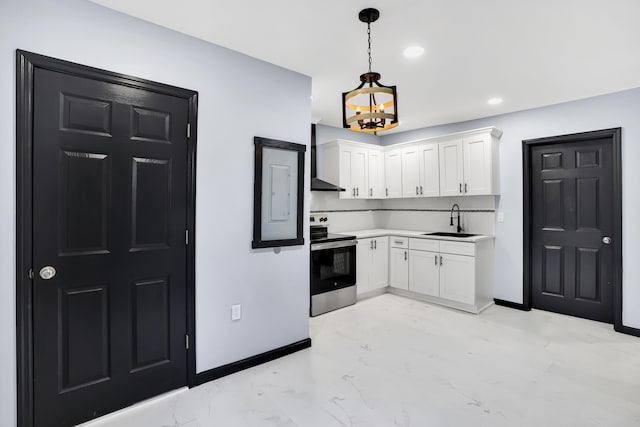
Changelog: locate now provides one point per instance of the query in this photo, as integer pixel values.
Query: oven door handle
(332, 245)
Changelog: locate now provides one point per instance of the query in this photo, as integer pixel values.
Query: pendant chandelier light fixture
(372, 106)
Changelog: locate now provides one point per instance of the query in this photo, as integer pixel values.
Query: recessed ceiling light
(413, 51)
(494, 101)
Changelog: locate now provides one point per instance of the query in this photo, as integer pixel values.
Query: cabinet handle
(435, 259)
(465, 187)
(397, 242)
(375, 244)
(357, 192)
(440, 259)
(386, 192)
(460, 187)
(405, 255)
(421, 193)
(354, 192)
(371, 245)
(417, 190)
(371, 192)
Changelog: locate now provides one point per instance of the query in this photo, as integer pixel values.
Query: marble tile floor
(391, 361)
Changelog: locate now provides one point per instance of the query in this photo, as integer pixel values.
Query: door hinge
(186, 342)
(186, 237)
(30, 274)
(188, 130)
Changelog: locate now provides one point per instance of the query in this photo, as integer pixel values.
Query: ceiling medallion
(372, 106)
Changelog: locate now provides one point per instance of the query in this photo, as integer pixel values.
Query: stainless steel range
(333, 270)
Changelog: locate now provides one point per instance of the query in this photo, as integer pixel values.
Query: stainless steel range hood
(318, 184)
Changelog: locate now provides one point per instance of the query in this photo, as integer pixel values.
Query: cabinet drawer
(399, 242)
(424, 245)
(458, 248)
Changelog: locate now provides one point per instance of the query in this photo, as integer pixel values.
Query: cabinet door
(424, 274)
(451, 177)
(393, 173)
(363, 264)
(359, 173)
(376, 175)
(379, 273)
(411, 172)
(429, 171)
(345, 174)
(457, 278)
(399, 268)
(477, 165)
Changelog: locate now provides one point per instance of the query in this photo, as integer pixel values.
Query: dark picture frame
(286, 188)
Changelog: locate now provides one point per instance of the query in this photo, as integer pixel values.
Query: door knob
(606, 240)
(47, 272)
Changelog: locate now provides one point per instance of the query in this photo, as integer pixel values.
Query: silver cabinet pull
(371, 244)
(397, 242)
(387, 192)
(357, 192)
(465, 187)
(460, 187)
(440, 259)
(435, 260)
(606, 240)
(405, 255)
(421, 193)
(417, 190)
(371, 192)
(47, 272)
(375, 244)
(353, 192)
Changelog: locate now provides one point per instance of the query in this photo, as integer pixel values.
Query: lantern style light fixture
(372, 106)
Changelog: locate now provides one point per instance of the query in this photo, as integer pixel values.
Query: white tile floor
(390, 361)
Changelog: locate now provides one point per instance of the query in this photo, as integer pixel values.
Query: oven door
(333, 266)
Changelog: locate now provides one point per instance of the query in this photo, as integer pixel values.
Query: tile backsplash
(428, 214)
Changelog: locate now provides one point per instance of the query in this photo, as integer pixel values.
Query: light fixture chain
(369, 40)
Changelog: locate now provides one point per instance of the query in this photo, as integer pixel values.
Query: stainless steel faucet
(455, 205)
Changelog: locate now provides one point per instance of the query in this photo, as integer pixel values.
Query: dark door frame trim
(527, 145)
(26, 62)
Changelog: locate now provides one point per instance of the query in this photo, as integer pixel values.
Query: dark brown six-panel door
(573, 224)
(109, 215)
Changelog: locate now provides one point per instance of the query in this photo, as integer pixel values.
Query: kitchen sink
(446, 234)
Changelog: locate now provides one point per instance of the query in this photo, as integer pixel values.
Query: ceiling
(530, 53)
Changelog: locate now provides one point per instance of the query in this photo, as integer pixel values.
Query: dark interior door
(572, 224)
(109, 214)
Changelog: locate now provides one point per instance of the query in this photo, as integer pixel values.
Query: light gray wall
(608, 111)
(236, 96)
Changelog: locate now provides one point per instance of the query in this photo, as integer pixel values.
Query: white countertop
(376, 232)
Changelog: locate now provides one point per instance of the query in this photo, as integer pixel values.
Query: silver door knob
(606, 240)
(47, 272)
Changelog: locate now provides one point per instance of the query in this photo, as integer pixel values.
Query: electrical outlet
(500, 217)
(236, 312)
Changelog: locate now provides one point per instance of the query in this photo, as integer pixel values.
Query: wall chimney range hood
(316, 183)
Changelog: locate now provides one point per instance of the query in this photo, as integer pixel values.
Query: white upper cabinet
(451, 175)
(411, 171)
(347, 166)
(469, 165)
(393, 173)
(462, 164)
(476, 151)
(420, 168)
(376, 174)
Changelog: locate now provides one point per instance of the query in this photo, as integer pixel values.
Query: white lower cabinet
(457, 278)
(372, 263)
(399, 262)
(452, 273)
(423, 273)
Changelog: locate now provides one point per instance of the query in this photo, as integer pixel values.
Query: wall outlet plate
(236, 312)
